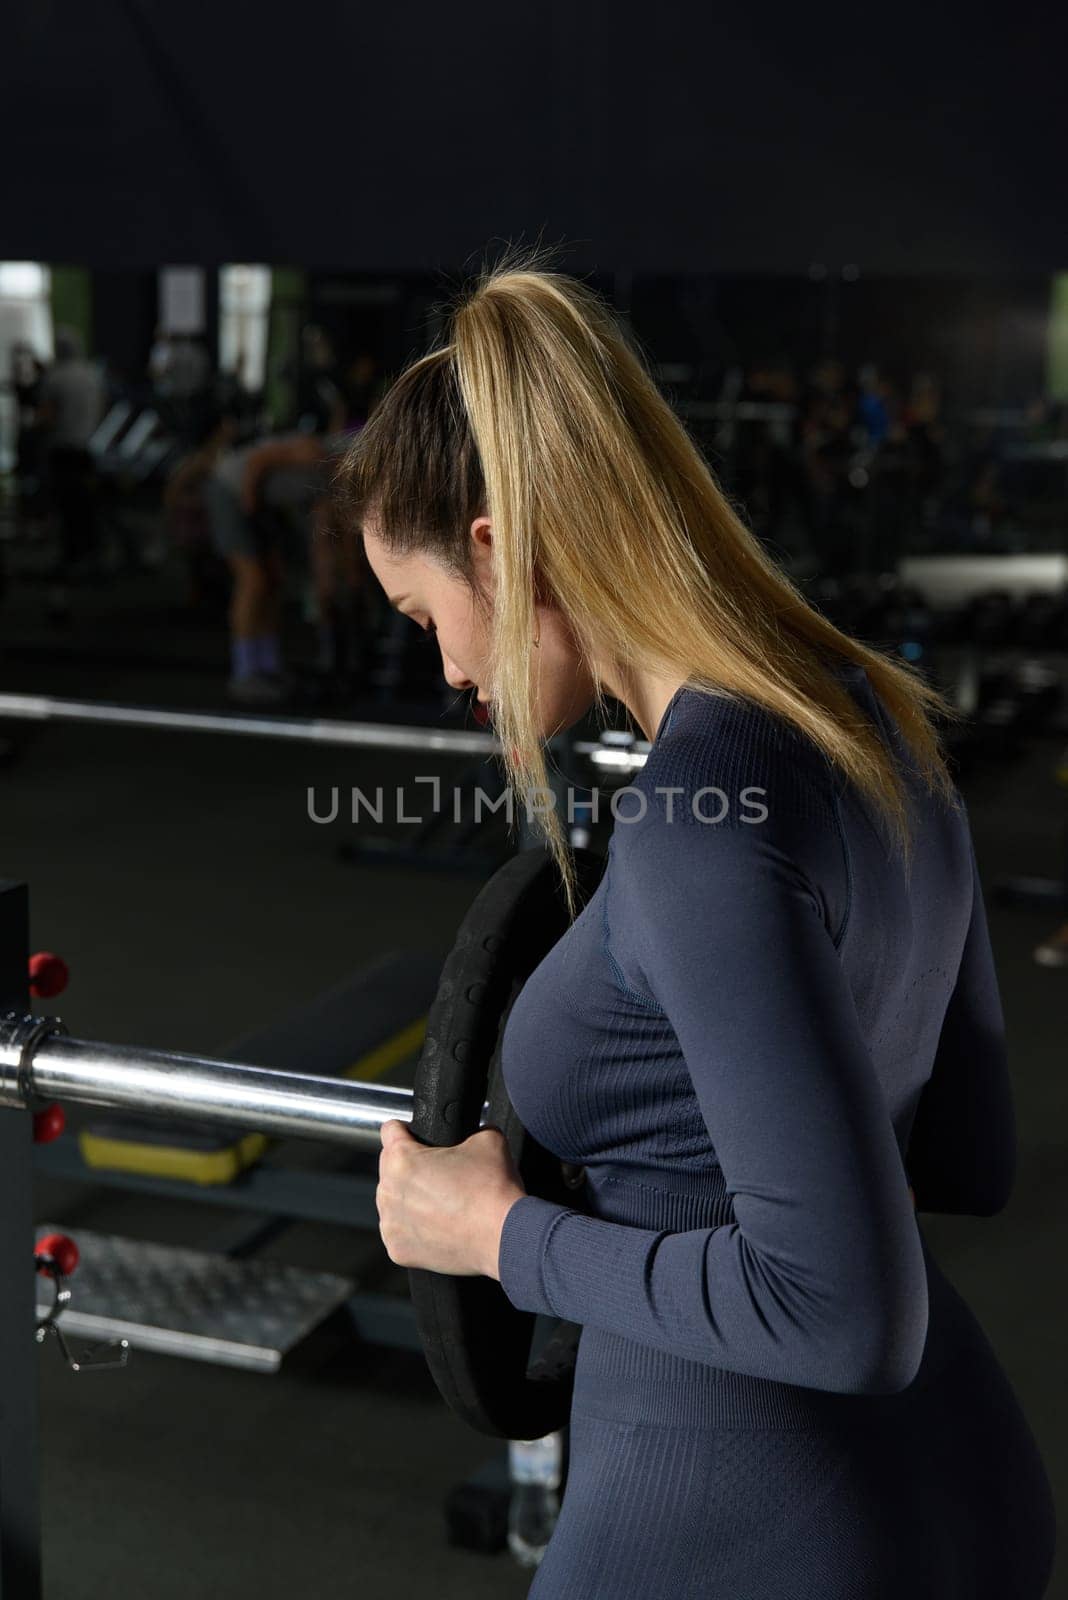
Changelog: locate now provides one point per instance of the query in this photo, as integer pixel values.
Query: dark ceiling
(665, 137)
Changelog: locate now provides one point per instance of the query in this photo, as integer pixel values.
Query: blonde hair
(539, 412)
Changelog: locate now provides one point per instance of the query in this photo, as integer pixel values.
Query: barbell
(478, 1346)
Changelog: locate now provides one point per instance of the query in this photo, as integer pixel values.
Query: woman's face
(443, 605)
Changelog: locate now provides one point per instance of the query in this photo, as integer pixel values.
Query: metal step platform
(190, 1303)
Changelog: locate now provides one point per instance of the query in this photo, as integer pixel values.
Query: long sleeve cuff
(524, 1237)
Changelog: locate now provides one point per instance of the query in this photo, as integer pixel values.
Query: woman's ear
(482, 532)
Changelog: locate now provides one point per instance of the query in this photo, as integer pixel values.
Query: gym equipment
(56, 1256)
(359, 1028)
(1042, 621)
(309, 730)
(880, 610)
(192, 1303)
(989, 621)
(40, 1062)
(947, 582)
(477, 1345)
(178, 1150)
(242, 1312)
(441, 841)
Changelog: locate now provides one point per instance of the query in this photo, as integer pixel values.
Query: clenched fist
(443, 1209)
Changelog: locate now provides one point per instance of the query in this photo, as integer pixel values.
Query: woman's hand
(443, 1208)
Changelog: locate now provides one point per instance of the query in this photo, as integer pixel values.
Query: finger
(393, 1130)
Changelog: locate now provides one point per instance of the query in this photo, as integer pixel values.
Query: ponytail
(533, 361)
(541, 414)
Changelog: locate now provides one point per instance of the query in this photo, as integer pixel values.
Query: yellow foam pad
(110, 1152)
(171, 1161)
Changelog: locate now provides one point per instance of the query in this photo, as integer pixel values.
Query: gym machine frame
(40, 1062)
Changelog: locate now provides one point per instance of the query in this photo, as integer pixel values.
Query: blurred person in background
(251, 495)
(873, 411)
(787, 490)
(753, 448)
(185, 510)
(765, 472)
(159, 358)
(362, 386)
(321, 404)
(249, 547)
(27, 374)
(179, 366)
(339, 587)
(72, 396)
(829, 414)
(893, 511)
(295, 472)
(189, 372)
(181, 375)
(922, 418)
(231, 395)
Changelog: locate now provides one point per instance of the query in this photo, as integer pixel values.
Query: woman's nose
(453, 676)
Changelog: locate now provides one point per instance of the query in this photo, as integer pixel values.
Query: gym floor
(181, 878)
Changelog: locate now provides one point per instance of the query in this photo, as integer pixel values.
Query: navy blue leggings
(938, 1493)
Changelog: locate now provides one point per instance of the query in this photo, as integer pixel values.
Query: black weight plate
(477, 1344)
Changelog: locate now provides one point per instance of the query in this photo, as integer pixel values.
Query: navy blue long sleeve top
(760, 1012)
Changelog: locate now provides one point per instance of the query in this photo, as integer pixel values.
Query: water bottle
(534, 1467)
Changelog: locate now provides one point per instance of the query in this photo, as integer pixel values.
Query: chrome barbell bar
(39, 1061)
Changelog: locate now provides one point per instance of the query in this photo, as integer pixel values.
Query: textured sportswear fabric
(755, 1036)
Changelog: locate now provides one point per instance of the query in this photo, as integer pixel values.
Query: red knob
(61, 1249)
(48, 975)
(49, 1123)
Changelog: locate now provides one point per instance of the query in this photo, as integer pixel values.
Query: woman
(249, 495)
(183, 500)
(777, 1014)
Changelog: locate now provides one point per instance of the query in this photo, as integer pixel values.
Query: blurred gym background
(840, 244)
